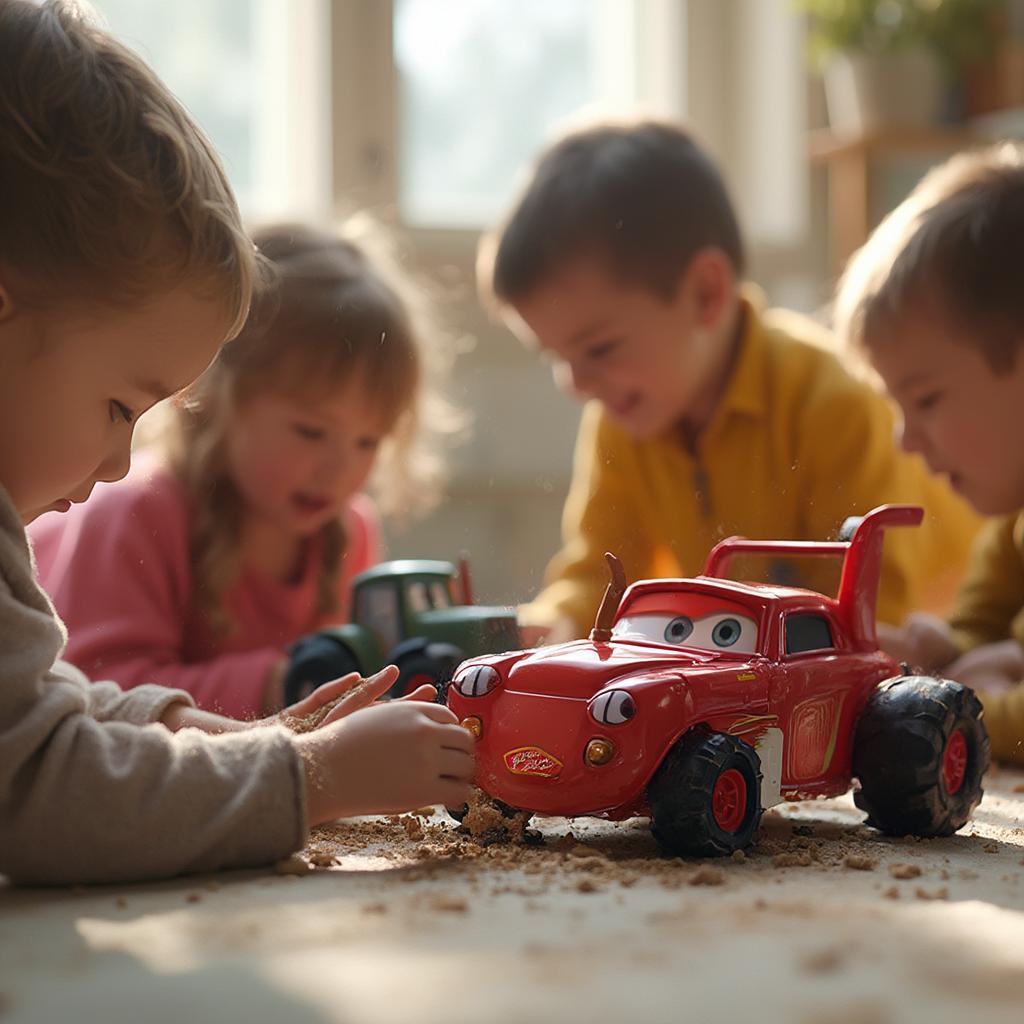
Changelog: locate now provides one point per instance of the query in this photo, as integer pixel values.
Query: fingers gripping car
(701, 702)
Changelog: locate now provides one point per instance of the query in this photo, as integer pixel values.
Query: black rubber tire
(898, 753)
(458, 813)
(315, 660)
(420, 663)
(680, 795)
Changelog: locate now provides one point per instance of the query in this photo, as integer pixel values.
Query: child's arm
(601, 514)
(118, 569)
(992, 594)
(923, 641)
(1004, 719)
(89, 800)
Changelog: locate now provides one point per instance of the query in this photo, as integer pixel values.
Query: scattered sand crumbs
(904, 871)
(307, 723)
(823, 961)
(484, 819)
(293, 865)
(797, 859)
(858, 862)
(707, 876)
(493, 850)
(450, 905)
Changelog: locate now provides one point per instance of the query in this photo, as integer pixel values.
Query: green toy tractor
(420, 616)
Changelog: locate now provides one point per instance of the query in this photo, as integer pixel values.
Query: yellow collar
(745, 390)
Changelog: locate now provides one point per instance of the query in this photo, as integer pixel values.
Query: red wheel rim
(954, 762)
(415, 681)
(729, 800)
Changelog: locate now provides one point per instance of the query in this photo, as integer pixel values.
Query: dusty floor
(824, 922)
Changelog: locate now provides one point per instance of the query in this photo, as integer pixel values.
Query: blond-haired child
(244, 532)
(934, 300)
(622, 264)
(123, 267)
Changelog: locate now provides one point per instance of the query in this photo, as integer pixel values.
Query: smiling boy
(622, 264)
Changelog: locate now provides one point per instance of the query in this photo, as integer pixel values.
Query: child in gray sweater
(123, 268)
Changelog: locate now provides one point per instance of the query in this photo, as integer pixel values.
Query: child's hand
(923, 641)
(329, 692)
(365, 692)
(385, 759)
(992, 668)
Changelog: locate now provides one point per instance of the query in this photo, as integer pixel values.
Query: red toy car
(700, 702)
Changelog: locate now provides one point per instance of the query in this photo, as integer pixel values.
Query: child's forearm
(181, 716)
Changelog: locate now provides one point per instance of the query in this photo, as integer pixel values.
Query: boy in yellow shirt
(935, 300)
(622, 264)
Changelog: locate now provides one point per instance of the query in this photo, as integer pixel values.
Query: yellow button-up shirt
(990, 608)
(795, 445)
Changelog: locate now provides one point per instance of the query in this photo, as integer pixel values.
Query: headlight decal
(614, 707)
(477, 681)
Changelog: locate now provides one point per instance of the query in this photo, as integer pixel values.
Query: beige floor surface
(825, 922)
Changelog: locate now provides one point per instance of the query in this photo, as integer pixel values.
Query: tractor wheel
(315, 660)
(421, 667)
(920, 752)
(705, 797)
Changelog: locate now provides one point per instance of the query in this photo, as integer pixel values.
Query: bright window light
(254, 74)
(483, 84)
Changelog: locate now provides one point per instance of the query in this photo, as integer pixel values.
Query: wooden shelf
(848, 161)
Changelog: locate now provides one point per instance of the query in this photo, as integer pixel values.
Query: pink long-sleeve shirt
(119, 573)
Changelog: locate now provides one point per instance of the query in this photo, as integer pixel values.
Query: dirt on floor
(410, 918)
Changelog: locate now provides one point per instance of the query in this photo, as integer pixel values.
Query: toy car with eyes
(701, 702)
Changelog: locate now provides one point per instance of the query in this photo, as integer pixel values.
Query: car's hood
(582, 668)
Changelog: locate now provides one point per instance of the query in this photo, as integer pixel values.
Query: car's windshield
(689, 620)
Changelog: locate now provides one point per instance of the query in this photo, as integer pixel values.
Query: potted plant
(891, 63)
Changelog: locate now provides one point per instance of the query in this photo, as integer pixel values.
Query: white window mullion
(291, 150)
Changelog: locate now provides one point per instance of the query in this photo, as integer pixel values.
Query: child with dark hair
(707, 415)
(935, 302)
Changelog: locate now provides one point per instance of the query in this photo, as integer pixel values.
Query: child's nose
(117, 463)
(573, 379)
(909, 438)
(334, 462)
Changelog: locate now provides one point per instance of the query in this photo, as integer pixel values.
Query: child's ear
(710, 280)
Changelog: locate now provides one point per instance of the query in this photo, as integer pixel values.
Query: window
(483, 84)
(254, 75)
(377, 609)
(807, 633)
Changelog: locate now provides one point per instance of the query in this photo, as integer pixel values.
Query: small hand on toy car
(341, 697)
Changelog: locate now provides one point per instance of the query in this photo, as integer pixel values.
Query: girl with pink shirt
(242, 530)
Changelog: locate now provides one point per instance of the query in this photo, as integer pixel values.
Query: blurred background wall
(427, 113)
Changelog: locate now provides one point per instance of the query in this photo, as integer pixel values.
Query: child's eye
(926, 402)
(368, 444)
(309, 433)
(120, 411)
(602, 349)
